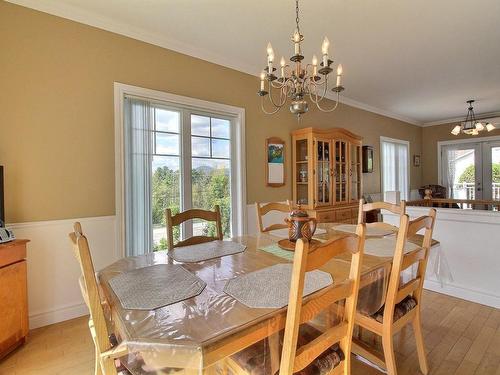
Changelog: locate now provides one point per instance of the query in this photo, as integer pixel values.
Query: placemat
(270, 287)
(205, 251)
(370, 231)
(149, 288)
(384, 247)
(278, 251)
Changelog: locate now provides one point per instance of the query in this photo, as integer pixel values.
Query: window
(394, 160)
(177, 156)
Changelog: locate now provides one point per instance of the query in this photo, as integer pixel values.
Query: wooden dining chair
(403, 300)
(304, 347)
(264, 209)
(104, 350)
(367, 207)
(181, 217)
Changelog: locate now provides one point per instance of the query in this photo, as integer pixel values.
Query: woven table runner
(270, 287)
(205, 251)
(155, 286)
(370, 231)
(384, 247)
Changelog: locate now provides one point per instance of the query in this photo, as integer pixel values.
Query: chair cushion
(256, 359)
(401, 309)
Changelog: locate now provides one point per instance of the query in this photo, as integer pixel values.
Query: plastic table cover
(198, 332)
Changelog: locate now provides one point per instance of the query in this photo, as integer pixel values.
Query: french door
(471, 170)
(491, 170)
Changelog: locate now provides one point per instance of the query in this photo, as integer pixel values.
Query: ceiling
(418, 61)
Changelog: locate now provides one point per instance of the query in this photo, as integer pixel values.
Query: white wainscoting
(53, 291)
(470, 240)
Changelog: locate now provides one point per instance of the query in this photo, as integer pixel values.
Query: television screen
(2, 208)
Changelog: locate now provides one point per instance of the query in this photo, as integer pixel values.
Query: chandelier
(471, 126)
(297, 82)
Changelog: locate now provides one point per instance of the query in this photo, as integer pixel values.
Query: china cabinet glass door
(301, 167)
(340, 171)
(355, 172)
(323, 172)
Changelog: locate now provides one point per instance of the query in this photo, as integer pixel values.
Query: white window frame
(399, 141)
(238, 162)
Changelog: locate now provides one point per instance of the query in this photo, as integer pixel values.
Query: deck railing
(475, 204)
(467, 190)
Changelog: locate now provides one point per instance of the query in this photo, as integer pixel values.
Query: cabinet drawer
(344, 214)
(326, 217)
(12, 253)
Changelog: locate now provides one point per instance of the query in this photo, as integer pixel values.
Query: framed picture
(367, 158)
(416, 160)
(275, 162)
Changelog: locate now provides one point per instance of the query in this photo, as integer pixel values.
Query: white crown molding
(379, 111)
(73, 13)
(491, 116)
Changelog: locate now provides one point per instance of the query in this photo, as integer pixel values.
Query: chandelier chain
(297, 15)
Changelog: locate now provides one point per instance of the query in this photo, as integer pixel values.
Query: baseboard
(463, 293)
(57, 315)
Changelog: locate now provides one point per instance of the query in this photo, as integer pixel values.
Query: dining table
(197, 333)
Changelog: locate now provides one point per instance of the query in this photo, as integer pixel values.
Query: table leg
(274, 350)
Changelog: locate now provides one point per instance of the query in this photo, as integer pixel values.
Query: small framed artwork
(416, 160)
(275, 162)
(367, 157)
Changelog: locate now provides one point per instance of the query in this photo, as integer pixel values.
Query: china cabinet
(327, 173)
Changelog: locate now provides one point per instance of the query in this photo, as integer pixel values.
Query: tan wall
(56, 114)
(431, 136)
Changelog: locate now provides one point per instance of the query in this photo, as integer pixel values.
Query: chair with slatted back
(306, 349)
(377, 206)
(175, 220)
(402, 305)
(105, 352)
(264, 209)
(366, 207)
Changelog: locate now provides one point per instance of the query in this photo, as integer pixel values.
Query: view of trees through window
(210, 172)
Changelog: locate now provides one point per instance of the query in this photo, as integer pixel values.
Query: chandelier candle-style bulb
(262, 78)
(270, 58)
(324, 50)
(315, 65)
(283, 64)
(339, 74)
(296, 42)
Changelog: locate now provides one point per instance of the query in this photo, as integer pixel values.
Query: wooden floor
(461, 338)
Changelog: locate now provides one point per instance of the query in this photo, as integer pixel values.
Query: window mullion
(186, 180)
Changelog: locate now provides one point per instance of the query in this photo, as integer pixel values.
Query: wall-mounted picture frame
(367, 158)
(275, 162)
(416, 160)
